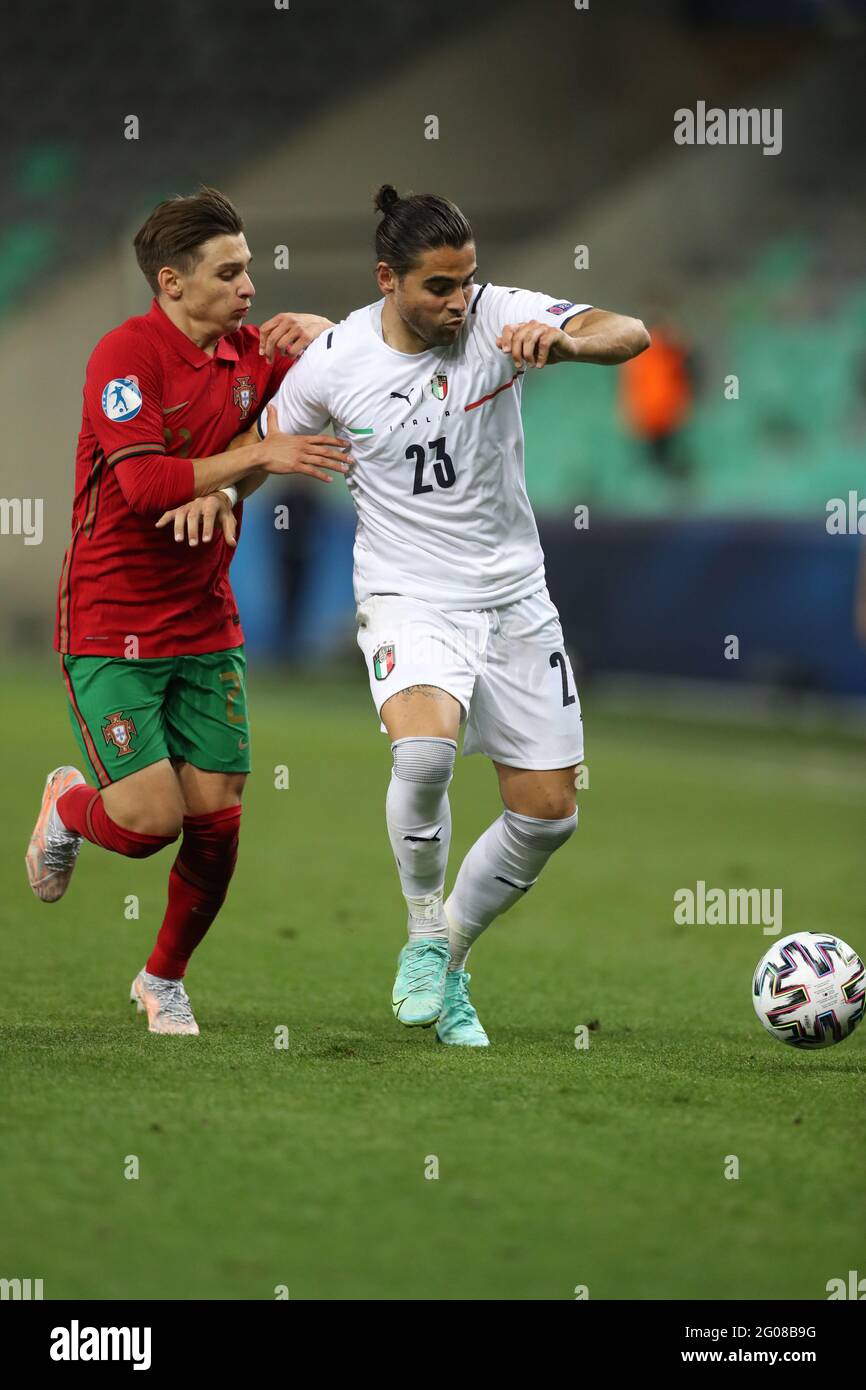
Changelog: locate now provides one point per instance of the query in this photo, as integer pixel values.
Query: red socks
(81, 809)
(197, 887)
(200, 875)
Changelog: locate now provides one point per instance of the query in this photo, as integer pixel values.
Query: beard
(431, 332)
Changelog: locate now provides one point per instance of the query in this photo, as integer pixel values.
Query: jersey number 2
(558, 659)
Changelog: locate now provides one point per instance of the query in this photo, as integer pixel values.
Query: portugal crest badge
(439, 386)
(245, 395)
(383, 660)
(118, 730)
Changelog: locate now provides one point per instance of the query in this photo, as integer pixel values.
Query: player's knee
(214, 835)
(166, 824)
(147, 803)
(548, 833)
(426, 760)
(563, 811)
(163, 822)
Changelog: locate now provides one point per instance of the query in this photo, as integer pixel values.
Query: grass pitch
(558, 1167)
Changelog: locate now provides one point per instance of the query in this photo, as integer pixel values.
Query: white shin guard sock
(498, 871)
(418, 815)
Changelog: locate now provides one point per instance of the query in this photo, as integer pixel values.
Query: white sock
(418, 816)
(499, 869)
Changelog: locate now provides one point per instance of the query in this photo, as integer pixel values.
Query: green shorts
(129, 714)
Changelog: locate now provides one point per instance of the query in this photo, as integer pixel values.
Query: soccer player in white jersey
(454, 618)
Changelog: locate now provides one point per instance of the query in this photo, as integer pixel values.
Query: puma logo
(400, 395)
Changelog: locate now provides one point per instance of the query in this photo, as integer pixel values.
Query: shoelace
(460, 1007)
(61, 850)
(423, 964)
(173, 1000)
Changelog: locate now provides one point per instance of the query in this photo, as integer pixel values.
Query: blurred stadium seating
(561, 140)
(789, 441)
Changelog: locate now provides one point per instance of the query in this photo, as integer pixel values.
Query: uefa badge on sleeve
(383, 661)
(121, 399)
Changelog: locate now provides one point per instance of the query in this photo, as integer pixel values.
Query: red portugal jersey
(153, 401)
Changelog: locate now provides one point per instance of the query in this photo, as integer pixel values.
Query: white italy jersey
(437, 439)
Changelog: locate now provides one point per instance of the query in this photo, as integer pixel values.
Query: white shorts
(507, 666)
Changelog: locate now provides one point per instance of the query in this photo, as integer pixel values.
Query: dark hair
(417, 223)
(176, 229)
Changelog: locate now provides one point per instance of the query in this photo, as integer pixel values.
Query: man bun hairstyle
(417, 223)
(176, 229)
(386, 198)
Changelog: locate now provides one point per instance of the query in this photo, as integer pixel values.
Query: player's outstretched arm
(198, 519)
(276, 453)
(606, 338)
(204, 513)
(596, 335)
(279, 453)
(253, 481)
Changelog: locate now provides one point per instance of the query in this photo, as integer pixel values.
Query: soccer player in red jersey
(148, 632)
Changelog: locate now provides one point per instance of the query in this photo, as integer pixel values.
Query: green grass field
(557, 1167)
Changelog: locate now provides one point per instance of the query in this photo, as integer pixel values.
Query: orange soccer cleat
(166, 1003)
(53, 849)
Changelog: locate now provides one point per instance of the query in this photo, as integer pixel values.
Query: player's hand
(202, 515)
(303, 453)
(290, 333)
(534, 344)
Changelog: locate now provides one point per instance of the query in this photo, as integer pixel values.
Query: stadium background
(555, 132)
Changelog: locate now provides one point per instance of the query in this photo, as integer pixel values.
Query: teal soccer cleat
(419, 989)
(458, 1023)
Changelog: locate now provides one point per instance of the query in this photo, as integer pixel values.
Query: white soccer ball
(809, 990)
